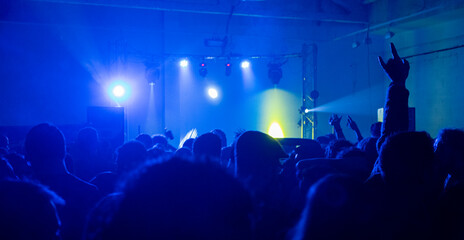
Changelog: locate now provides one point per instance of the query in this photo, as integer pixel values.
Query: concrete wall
(435, 80)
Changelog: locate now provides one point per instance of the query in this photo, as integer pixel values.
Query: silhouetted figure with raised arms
(406, 177)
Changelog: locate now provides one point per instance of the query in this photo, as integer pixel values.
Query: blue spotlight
(213, 93)
(119, 91)
(184, 63)
(245, 64)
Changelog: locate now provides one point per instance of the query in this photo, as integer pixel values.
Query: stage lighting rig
(275, 71)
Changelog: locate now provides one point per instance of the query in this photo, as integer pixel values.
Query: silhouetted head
(221, 135)
(407, 159)
(130, 156)
(335, 209)
(189, 143)
(207, 145)
(179, 199)
(160, 140)
(337, 146)
(257, 154)
(351, 152)
(146, 140)
(45, 147)
(183, 153)
(325, 140)
(27, 211)
(310, 149)
(87, 138)
(376, 129)
(449, 148)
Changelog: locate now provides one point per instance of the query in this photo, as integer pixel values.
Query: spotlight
(213, 93)
(228, 69)
(152, 73)
(203, 70)
(184, 63)
(245, 64)
(275, 72)
(275, 130)
(306, 110)
(119, 91)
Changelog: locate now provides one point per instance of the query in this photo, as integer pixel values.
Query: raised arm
(352, 124)
(334, 120)
(396, 104)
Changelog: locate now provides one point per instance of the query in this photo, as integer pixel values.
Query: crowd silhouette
(394, 184)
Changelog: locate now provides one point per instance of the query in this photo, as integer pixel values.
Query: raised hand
(334, 120)
(352, 124)
(397, 69)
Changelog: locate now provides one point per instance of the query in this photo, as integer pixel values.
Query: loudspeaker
(109, 122)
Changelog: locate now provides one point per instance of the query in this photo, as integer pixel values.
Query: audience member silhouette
(85, 156)
(376, 129)
(207, 145)
(130, 156)
(325, 140)
(178, 199)
(369, 147)
(336, 147)
(337, 207)
(189, 143)
(449, 149)
(28, 211)
(222, 135)
(45, 150)
(146, 140)
(258, 165)
(159, 140)
(183, 153)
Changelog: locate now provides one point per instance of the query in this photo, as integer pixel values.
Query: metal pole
(304, 54)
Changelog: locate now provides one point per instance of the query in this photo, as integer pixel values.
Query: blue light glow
(119, 91)
(184, 63)
(245, 64)
(213, 93)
